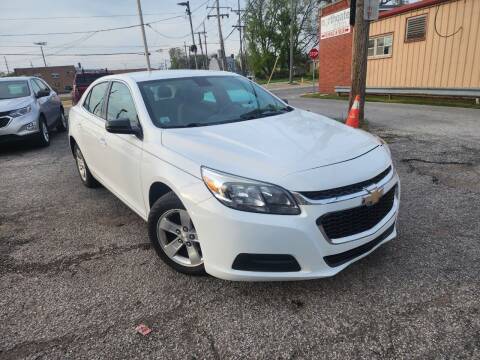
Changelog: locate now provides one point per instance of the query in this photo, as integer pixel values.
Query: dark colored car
(83, 79)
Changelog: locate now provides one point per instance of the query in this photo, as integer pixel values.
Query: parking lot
(78, 274)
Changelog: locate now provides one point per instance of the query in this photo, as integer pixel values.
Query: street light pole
(42, 44)
(147, 56)
(189, 13)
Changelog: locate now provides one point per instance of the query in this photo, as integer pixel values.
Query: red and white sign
(335, 24)
(313, 54)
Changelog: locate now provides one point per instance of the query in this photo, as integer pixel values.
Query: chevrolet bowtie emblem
(373, 197)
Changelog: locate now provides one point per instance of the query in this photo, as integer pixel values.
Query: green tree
(267, 33)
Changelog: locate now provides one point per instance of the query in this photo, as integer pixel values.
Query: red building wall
(335, 54)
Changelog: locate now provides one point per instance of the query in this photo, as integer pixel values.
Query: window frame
(384, 56)
(108, 99)
(102, 112)
(424, 38)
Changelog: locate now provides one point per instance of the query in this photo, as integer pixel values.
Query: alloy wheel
(63, 119)
(82, 168)
(178, 238)
(45, 134)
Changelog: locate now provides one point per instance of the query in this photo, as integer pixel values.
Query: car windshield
(207, 100)
(14, 89)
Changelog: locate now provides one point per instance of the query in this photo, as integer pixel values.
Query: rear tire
(62, 124)
(43, 136)
(85, 175)
(174, 237)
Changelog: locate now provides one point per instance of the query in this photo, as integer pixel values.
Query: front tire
(43, 136)
(174, 237)
(85, 175)
(62, 124)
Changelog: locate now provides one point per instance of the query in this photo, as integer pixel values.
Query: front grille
(344, 257)
(345, 190)
(348, 222)
(4, 121)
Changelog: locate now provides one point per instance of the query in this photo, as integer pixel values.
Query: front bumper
(20, 127)
(225, 233)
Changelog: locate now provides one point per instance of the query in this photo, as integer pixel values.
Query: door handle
(103, 141)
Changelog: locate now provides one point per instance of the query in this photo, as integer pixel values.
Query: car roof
(166, 74)
(16, 78)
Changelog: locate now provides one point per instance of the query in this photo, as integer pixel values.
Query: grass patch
(415, 100)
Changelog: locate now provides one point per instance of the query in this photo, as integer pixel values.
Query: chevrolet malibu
(233, 181)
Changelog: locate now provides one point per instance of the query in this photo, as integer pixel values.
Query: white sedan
(232, 180)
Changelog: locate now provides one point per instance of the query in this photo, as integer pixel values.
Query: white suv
(231, 180)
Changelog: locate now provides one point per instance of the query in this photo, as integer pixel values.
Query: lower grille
(4, 121)
(349, 222)
(344, 257)
(266, 262)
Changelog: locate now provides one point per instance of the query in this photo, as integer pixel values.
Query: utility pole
(359, 60)
(201, 47)
(189, 13)
(147, 55)
(222, 46)
(42, 44)
(239, 26)
(187, 57)
(292, 22)
(205, 41)
(6, 64)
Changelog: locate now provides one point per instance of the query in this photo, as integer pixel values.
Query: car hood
(14, 104)
(272, 147)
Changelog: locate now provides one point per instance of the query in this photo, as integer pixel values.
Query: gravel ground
(77, 273)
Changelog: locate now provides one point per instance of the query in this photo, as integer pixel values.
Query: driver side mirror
(42, 93)
(123, 126)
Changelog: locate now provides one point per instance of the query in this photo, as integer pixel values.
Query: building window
(55, 75)
(416, 28)
(380, 46)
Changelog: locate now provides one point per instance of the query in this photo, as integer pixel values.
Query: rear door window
(95, 99)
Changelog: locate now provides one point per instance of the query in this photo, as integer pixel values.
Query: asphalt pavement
(77, 273)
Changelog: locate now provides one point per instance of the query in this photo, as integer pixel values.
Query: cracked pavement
(77, 273)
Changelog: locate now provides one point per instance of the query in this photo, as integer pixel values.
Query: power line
(85, 54)
(91, 31)
(85, 17)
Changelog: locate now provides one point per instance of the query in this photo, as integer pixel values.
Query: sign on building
(335, 24)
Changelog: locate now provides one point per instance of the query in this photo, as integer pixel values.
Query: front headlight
(20, 112)
(249, 195)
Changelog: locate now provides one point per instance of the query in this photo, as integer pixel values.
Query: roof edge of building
(411, 7)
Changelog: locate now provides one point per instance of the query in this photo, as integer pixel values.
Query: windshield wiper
(258, 113)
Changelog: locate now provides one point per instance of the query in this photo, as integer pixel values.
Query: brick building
(60, 78)
(429, 47)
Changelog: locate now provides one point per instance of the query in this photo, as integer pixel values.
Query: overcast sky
(47, 16)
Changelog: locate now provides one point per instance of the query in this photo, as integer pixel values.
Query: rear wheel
(62, 124)
(174, 237)
(43, 136)
(85, 175)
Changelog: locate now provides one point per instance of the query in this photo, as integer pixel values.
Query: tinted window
(40, 84)
(96, 98)
(120, 104)
(36, 86)
(44, 84)
(207, 100)
(13, 89)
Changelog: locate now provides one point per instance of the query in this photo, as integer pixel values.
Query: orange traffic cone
(352, 119)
